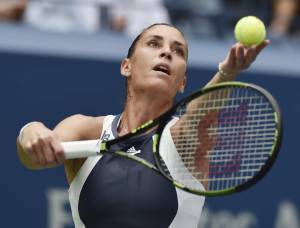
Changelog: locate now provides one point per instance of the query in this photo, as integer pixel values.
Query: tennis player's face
(159, 62)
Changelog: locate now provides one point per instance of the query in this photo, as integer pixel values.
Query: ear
(182, 86)
(126, 67)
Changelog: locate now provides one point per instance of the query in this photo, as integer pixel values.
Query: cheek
(181, 71)
(140, 63)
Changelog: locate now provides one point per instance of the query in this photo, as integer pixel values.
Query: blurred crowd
(195, 17)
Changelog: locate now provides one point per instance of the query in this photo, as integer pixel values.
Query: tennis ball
(250, 30)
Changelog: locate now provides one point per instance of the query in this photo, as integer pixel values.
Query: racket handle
(80, 149)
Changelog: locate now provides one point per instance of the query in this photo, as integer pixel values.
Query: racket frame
(260, 174)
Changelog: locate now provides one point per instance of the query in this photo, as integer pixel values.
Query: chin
(163, 90)
(157, 86)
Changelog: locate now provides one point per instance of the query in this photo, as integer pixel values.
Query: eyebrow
(161, 38)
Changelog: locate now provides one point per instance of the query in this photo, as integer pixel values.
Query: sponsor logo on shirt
(105, 136)
(133, 151)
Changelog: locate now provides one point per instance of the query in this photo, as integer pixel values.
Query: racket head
(227, 142)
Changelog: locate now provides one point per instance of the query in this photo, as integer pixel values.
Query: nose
(166, 53)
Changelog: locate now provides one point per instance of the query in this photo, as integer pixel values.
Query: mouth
(164, 68)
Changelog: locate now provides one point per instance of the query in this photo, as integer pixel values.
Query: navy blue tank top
(122, 193)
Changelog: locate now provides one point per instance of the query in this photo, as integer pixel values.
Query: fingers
(45, 150)
(58, 151)
(29, 149)
(253, 52)
(260, 47)
(232, 56)
(235, 59)
(250, 56)
(37, 149)
(240, 55)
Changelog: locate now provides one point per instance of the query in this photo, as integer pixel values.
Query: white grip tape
(81, 149)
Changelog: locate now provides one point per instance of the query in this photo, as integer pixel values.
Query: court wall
(48, 84)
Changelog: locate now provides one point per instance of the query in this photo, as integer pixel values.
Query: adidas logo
(133, 151)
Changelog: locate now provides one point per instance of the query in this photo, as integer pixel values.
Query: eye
(179, 51)
(153, 43)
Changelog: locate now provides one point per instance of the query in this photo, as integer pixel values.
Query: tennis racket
(226, 138)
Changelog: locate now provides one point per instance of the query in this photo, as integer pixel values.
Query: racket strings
(225, 138)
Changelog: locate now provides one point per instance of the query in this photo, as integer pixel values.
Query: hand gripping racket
(226, 138)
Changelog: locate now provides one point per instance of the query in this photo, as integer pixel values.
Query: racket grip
(80, 149)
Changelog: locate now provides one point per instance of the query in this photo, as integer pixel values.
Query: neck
(140, 109)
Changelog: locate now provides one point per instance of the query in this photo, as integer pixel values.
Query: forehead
(166, 32)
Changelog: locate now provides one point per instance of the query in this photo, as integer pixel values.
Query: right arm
(39, 147)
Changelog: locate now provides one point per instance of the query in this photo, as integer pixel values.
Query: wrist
(225, 75)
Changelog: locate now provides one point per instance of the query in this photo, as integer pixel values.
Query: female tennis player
(108, 191)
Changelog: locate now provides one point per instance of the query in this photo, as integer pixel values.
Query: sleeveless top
(109, 191)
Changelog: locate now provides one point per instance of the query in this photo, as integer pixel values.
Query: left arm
(239, 58)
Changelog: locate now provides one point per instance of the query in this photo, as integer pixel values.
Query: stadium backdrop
(47, 82)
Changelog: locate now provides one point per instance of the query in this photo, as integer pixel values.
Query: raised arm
(239, 58)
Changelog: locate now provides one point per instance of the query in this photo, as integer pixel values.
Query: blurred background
(62, 57)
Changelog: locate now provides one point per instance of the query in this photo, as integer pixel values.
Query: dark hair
(134, 42)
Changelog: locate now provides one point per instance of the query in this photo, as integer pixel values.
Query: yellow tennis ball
(250, 30)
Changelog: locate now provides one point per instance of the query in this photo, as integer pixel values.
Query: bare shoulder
(74, 128)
